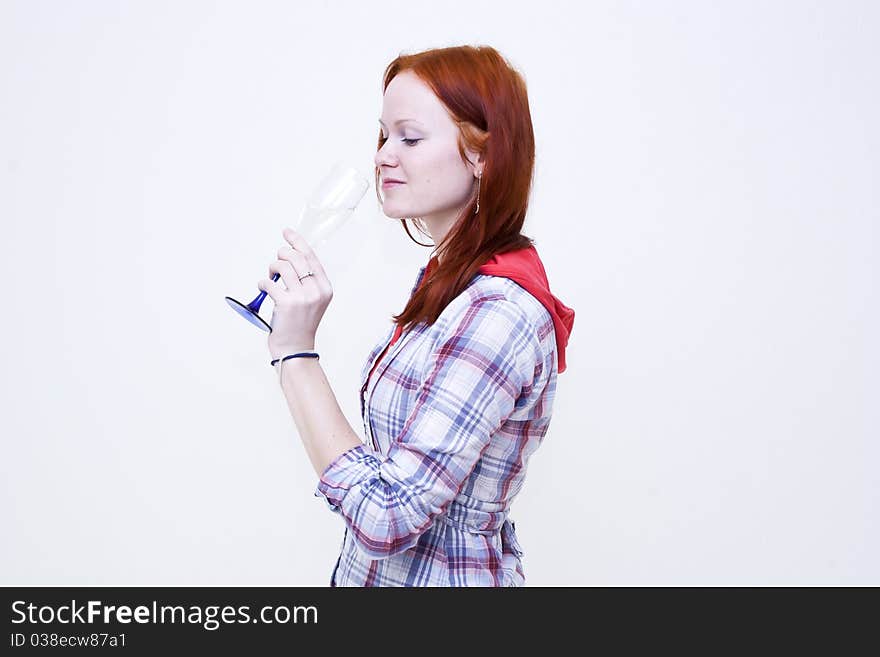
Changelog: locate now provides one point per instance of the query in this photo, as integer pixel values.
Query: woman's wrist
(286, 351)
(285, 363)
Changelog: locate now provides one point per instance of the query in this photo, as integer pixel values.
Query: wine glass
(331, 204)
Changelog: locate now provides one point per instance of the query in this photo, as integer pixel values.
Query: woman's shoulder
(498, 305)
(519, 300)
(495, 319)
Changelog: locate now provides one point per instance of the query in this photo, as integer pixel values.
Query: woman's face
(422, 153)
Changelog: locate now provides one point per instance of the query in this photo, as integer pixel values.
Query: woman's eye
(408, 142)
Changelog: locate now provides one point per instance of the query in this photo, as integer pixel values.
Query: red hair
(488, 100)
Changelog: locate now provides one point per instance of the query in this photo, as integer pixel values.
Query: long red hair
(488, 100)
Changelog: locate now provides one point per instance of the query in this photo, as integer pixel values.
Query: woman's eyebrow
(399, 121)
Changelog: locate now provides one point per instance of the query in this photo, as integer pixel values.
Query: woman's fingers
(299, 302)
(299, 245)
(286, 270)
(299, 266)
(273, 289)
(305, 260)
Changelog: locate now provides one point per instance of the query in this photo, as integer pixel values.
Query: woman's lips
(391, 183)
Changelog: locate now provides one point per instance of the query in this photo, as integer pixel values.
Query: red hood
(524, 267)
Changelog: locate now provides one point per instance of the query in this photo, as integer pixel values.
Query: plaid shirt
(452, 414)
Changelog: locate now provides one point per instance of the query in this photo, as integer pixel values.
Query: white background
(705, 199)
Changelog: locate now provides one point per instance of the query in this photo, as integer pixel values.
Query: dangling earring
(479, 183)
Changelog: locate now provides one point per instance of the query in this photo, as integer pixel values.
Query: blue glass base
(248, 314)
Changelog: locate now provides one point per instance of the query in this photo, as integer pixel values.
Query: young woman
(458, 395)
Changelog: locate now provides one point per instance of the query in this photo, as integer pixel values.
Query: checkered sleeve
(477, 370)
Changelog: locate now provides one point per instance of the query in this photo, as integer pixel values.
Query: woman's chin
(392, 212)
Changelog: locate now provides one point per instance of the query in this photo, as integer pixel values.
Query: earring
(479, 183)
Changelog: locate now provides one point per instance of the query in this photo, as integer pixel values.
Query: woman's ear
(476, 162)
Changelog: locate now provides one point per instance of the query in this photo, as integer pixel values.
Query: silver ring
(306, 275)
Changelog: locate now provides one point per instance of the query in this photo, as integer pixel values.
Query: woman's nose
(385, 156)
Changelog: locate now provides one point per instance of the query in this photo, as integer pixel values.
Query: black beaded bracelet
(302, 354)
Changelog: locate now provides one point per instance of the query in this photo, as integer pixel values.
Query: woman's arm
(301, 297)
(325, 431)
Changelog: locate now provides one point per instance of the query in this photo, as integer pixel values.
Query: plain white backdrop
(705, 199)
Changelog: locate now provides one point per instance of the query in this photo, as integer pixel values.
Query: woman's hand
(300, 307)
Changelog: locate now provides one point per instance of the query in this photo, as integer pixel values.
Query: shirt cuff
(346, 471)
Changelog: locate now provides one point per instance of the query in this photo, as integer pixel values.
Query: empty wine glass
(331, 204)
